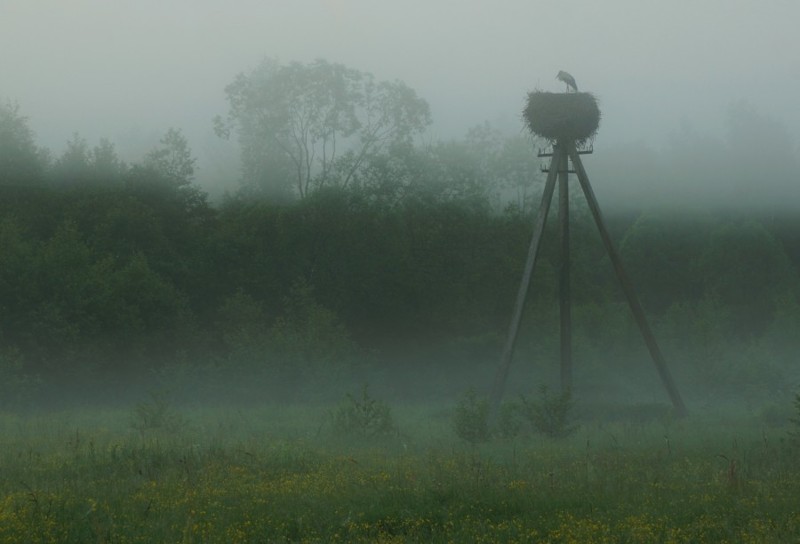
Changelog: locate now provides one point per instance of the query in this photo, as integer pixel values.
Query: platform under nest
(562, 116)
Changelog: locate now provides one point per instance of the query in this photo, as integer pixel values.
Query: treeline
(131, 277)
(390, 255)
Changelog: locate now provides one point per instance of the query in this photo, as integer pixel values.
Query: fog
(318, 357)
(661, 70)
(698, 100)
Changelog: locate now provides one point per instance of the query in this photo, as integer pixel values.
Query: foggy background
(669, 76)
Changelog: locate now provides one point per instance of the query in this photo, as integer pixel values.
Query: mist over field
(310, 197)
(260, 261)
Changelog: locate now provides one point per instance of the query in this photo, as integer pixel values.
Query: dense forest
(352, 250)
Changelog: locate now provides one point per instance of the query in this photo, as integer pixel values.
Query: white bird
(568, 79)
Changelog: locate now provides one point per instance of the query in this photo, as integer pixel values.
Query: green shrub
(471, 418)
(311, 341)
(795, 432)
(363, 416)
(551, 414)
(774, 414)
(509, 423)
(156, 414)
(17, 387)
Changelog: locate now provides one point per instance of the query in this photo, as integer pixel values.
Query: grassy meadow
(160, 473)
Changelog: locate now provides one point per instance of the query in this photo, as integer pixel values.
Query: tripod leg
(630, 294)
(519, 305)
(564, 284)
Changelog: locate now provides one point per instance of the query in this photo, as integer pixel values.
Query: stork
(568, 79)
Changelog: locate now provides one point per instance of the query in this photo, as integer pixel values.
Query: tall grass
(280, 474)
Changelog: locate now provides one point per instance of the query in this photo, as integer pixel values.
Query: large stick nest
(562, 116)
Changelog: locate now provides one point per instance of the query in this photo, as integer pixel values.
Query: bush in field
(795, 432)
(363, 415)
(16, 386)
(509, 423)
(550, 415)
(774, 414)
(471, 418)
(156, 414)
(311, 340)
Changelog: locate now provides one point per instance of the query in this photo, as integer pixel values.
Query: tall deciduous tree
(170, 166)
(305, 126)
(20, 160)
(74, 165)
(173, 158)
(80, 164)
(106, 163)
(761, 154)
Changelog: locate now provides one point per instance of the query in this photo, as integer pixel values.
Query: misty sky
(125, 68)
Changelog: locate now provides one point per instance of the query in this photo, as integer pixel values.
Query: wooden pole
(508, 351)
(564, 284)
(630, 294)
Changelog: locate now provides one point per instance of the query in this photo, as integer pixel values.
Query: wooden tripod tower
(566, 130)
